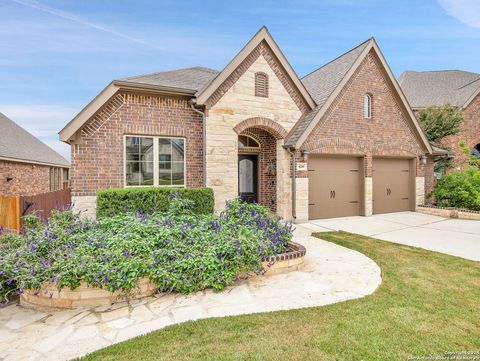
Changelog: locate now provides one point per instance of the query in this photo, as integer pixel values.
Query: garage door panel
(392, 189)
(334, 187)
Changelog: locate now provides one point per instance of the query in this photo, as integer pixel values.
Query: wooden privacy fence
(13, 208)
(9, 212)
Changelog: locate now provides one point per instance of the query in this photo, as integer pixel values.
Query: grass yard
(428, 304)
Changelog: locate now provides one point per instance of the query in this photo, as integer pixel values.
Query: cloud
(466, 11)
(68, 16)
(43, 121)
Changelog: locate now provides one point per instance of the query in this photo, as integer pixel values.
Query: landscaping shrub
(178, 250)
(459, 189)
(150, 200)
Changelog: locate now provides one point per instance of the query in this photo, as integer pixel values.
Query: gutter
(34, 162)
(291, 150)
(128, 85)
(192, 103)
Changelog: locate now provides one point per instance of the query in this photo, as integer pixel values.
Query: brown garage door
(334, 187)
(392, 191)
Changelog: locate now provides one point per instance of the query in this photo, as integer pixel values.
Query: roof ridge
(201, 68)
(440, 71)
(473, 81)
(338, 57)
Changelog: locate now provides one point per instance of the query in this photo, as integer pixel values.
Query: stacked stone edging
(449, 212)
(83, 296)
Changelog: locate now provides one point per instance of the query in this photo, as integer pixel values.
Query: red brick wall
(267, 184)
(469, 133)
(97, 155)
(343, 130)
(28, 179)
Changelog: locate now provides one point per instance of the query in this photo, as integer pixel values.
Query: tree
(440, 122)
(472, 160)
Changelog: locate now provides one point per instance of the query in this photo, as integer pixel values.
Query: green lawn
(428, 304)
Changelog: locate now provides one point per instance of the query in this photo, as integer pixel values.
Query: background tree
(472, 160)
(440, 122)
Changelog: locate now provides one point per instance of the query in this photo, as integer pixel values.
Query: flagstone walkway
(331, 274)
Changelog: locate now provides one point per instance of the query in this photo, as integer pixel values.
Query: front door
(248, 177)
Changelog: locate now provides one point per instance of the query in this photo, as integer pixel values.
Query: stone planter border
(49, 297)
(291, 260)
(449, 212)
(85, 296)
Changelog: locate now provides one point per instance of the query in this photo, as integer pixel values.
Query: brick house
(28, 166)
(340, 141)
(455, 87)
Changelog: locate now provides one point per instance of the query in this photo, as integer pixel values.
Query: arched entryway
(257, 167)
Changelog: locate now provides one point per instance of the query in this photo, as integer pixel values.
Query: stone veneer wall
(419, 190)
(368, 196)
(28, 179)
(236, 102)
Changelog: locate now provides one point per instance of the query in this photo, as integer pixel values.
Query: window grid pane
(141, 166)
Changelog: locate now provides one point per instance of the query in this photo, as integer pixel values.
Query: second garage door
(392, 190)
(334, 187)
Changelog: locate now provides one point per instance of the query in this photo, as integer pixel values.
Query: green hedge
(128, 200)
(459, 189)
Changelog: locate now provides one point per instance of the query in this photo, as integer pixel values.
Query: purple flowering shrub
(177, 250)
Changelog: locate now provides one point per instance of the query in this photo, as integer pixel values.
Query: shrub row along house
(28, 166)
(340, 141)
(450, 87)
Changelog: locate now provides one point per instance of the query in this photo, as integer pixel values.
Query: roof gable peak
(300, 133)
(262, 35)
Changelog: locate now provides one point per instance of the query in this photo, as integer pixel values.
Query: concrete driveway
(456, 237)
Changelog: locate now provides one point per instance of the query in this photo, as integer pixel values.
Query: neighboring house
(28, 166)
(454, 87)
(345, 131)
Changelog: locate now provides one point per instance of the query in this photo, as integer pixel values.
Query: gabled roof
(326, 83)
(18, 145)
(322, 82)
(187, 78)
(197, 82)
(434, 88)
(262, 35)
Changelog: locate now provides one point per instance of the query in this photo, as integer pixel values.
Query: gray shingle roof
(194, 79)
(17, 143)
(435, 88)
(322, 82)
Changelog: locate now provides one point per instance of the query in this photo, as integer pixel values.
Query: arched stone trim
(263, 123)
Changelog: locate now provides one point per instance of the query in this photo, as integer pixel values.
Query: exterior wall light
(423, 160)
(305, 154)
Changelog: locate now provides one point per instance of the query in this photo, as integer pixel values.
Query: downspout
(192, 103)
(291, 150)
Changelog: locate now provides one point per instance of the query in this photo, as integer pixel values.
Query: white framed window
(367, 106)
(154, 161)
(246, 141)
